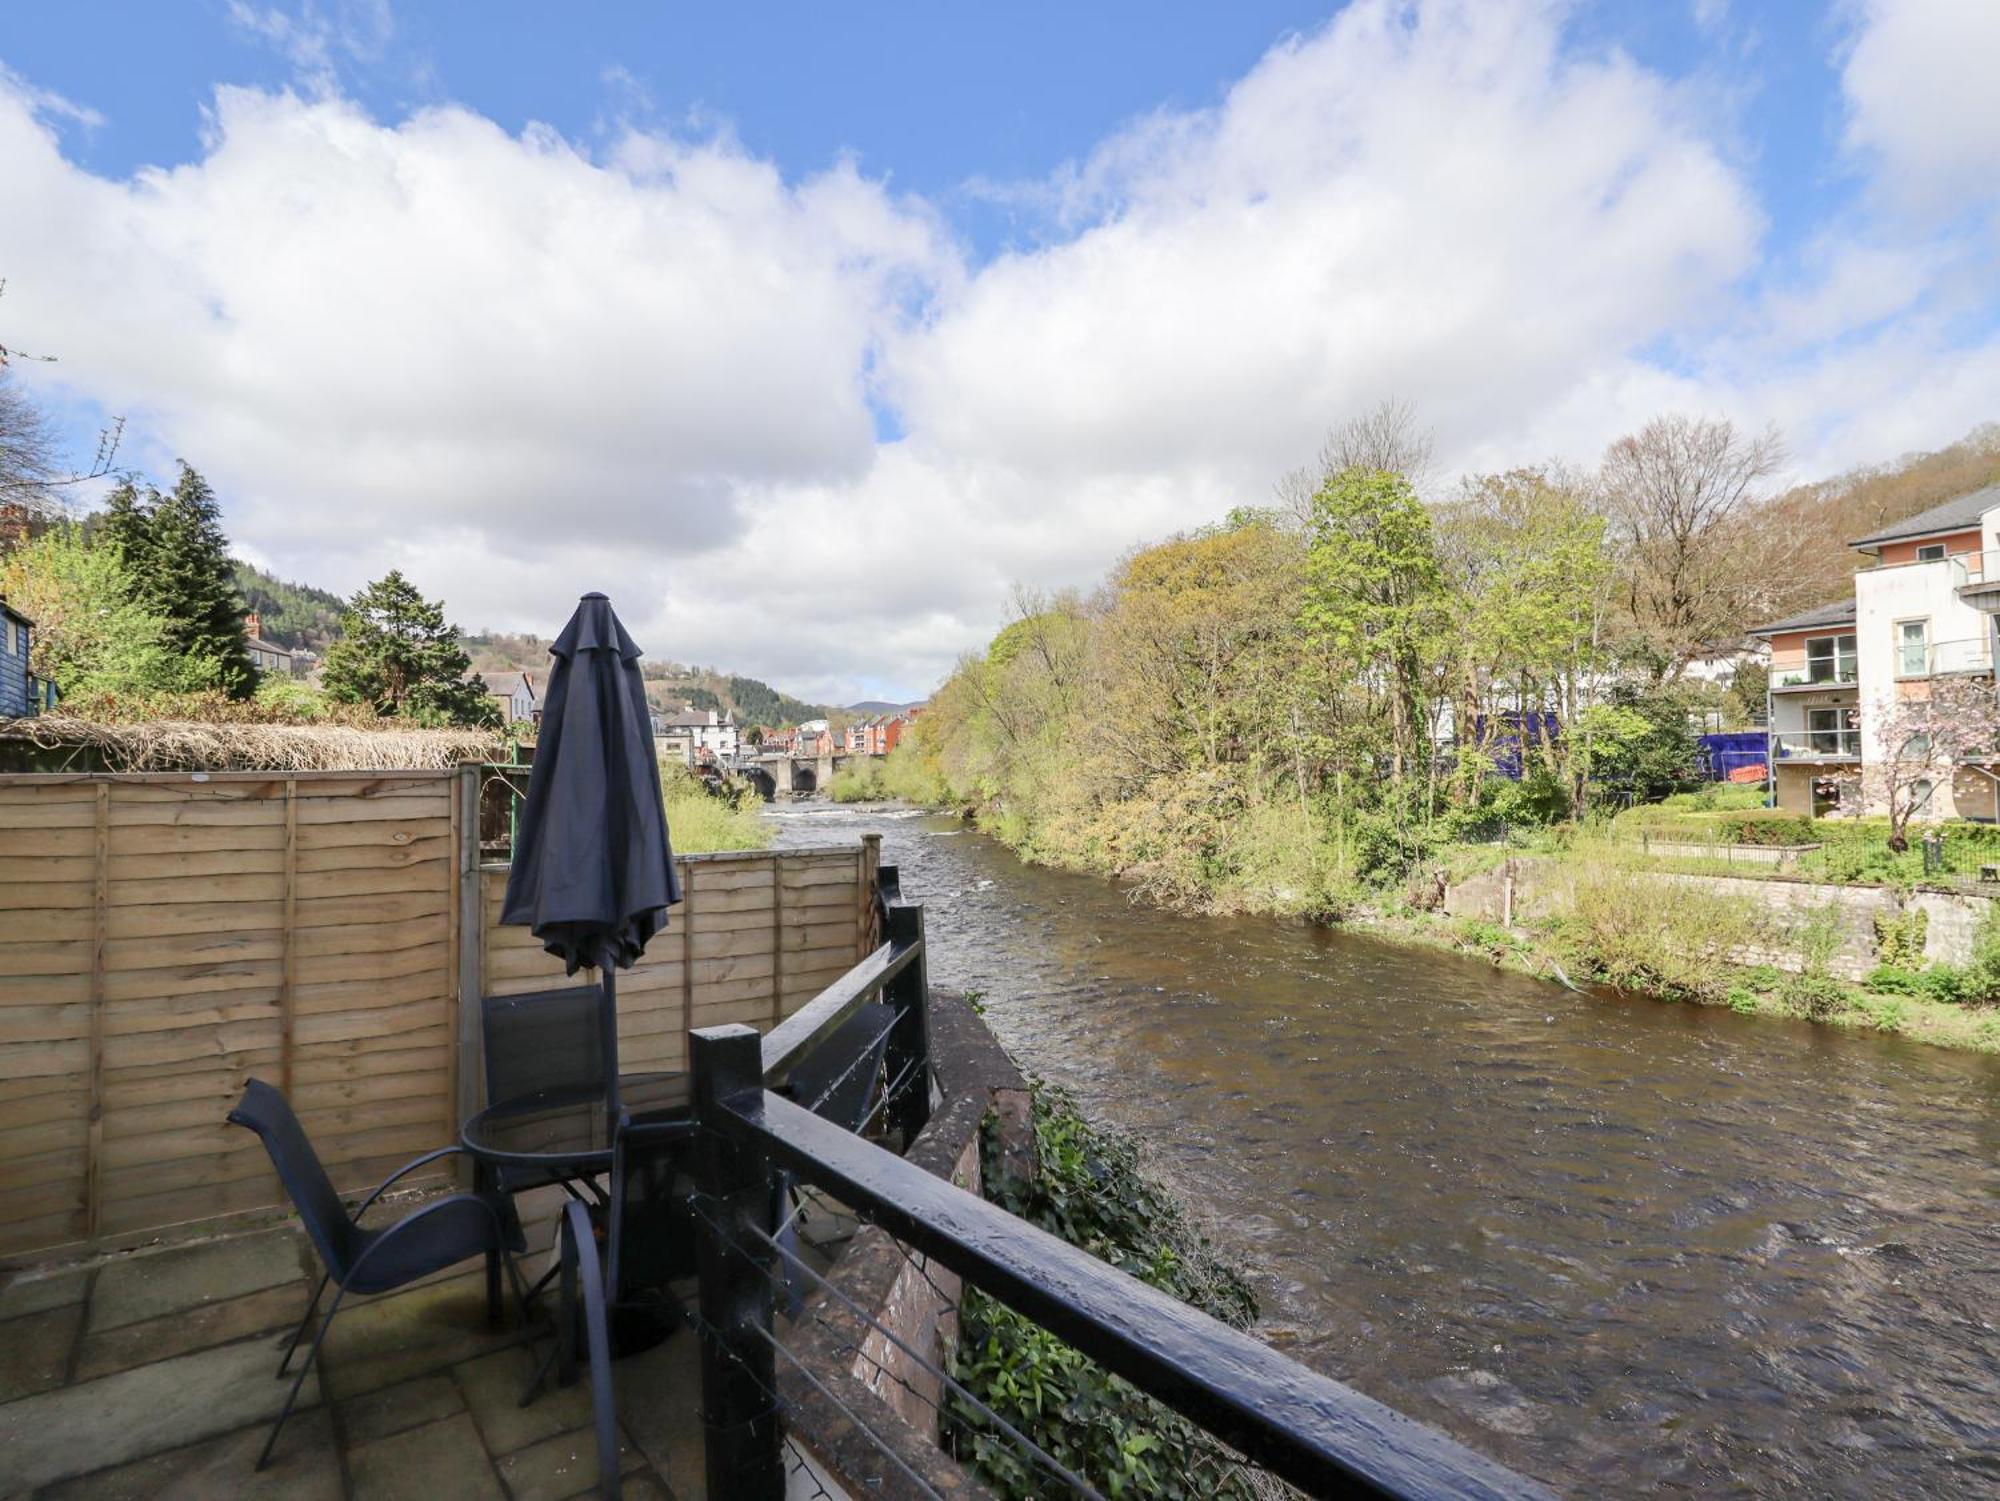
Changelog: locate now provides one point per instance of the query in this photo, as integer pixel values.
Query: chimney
(253, 627)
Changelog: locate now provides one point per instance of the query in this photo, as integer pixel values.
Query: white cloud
(434, 345)
(1922, 97)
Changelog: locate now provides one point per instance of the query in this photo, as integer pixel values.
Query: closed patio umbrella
(593, 874)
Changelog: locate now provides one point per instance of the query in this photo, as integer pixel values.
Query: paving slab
(408, 1404)
(274, 1309)
(304, 1468)
(34, 1350)
(383, 1341)
(441, 1461)
(164, 1282)
(492, 1386)
(659, 1403)
(561, 1466)
(149, 1409)
(35, 1291)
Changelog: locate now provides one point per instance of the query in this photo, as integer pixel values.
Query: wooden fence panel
(164, 937)
(758, 933)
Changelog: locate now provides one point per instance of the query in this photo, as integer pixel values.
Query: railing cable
(1042, 1456)
(847, 1412)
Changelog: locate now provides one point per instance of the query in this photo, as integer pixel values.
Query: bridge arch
(762, 780)
(805, 781)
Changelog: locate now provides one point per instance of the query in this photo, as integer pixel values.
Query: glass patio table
(564, 1132)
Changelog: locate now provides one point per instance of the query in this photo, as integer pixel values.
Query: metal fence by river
(1625, 1246)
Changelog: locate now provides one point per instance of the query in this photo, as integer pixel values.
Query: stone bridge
(782, 776)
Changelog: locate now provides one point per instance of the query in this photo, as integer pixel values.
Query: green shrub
(1888, 1013)
(1640, 932)
(1766, 826)
(1742, 1000)
(1763, 976)
(1944, 982)
(1890, 979)
(1819, 997)
(1982, 973)
(1819, 939)
(1899, 940)
(1090, 1191)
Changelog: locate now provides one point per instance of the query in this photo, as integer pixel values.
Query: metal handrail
(1313, 1431)
(1845, 743)
(793, 1040)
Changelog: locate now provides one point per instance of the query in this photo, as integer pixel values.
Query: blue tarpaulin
(1733, 755)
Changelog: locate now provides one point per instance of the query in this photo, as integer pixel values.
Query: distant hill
(1801, 535)
(290, 615)
(883, 706)
(668, 684)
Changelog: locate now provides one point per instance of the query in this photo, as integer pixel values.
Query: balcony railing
(1824, 745)
(1964, 567)
(1826, 672)
(1936, 657)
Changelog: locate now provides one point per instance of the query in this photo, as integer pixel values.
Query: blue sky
(795, 296)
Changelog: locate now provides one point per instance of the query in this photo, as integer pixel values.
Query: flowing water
(1624, 1246)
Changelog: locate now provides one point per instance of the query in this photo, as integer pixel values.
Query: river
(1625, 1246)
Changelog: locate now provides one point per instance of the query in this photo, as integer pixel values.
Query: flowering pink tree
(1925, 739)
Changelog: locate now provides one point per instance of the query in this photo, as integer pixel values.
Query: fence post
(739, 1411)
(910, 1042)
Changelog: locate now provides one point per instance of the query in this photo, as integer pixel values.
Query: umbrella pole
(607, 1017)
(608, 1020)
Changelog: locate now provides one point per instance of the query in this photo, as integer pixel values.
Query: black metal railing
(1316, 1433)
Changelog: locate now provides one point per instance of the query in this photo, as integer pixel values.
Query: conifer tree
(398, 654)
(178, 558)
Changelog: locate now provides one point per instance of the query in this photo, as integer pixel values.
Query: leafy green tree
(398, 654)
(179, 562)
(1374, 596)
(93, 637)
(1639, 743)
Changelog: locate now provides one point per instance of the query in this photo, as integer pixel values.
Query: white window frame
(1850, 658)
(1902, 646)
(1932, 552)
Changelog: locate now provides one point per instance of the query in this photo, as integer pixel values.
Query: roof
(1958, 515)
(503, 684)
(1840, 612)
(692, 719)
(15, 613)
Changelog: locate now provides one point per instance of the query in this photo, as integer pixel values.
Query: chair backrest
(546, 1039)
(837, 1080)
(264, 1110)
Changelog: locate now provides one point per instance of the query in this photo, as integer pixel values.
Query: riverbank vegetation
(904, 775)
(703, 816)
(1326, 706)
(1091, 1190)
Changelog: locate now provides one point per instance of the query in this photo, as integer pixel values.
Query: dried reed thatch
(196, 745)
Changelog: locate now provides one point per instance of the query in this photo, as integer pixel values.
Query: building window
(1931, 552)
(10, 636)
(1913, 648)
(1830, 659)
(1825, 729)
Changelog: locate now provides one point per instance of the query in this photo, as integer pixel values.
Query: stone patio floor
(151, 1374)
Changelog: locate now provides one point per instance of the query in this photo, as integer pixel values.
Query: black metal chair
(546, 1040)
(439, 1234)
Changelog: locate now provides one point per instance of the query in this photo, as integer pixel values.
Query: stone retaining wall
(1530, 887)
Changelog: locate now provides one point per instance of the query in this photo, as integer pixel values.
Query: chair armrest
(452, 1205)
(407, 1168)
